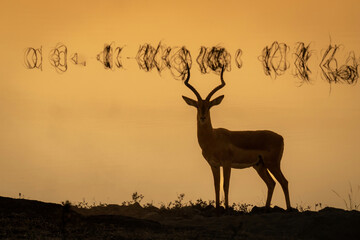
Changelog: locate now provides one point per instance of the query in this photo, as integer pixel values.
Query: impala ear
(216, 101)
(190, 101)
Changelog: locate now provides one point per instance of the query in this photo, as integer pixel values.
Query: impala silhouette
(261, 150)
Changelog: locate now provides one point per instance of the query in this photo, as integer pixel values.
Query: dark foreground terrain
(27, 219)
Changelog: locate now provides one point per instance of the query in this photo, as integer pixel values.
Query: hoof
(220, 211)
(291, 209)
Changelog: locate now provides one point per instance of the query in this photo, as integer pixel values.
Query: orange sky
(102, 135)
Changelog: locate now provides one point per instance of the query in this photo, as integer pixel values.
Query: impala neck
(205, 132)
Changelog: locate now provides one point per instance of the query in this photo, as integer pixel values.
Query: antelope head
(203, 105)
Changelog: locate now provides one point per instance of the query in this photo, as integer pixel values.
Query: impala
(261, 150)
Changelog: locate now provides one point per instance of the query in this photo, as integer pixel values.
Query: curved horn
(218, 87)
(188, 84)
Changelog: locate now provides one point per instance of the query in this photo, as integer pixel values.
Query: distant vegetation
(178, 203)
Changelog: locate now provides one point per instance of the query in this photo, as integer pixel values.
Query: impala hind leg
(276, 171)
(216, 175)
(270, 183)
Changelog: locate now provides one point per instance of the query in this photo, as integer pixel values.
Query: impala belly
(244, 158)
(236, 157)
(241, 165)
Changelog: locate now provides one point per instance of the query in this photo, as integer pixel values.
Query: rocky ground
(28, 219)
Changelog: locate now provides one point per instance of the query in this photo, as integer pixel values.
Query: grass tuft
(351, 201)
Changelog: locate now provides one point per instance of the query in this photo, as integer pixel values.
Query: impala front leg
(226, 173)
(216, 174)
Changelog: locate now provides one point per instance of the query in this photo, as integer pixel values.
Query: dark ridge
(29, 219)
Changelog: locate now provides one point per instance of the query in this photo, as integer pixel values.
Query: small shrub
(242, 207)
(301, 208)
(162, 206)
(67, 203)
(83, 204)
(136, 197)
(149, 205)
(318, 206)
(178, 202)
(199, 203)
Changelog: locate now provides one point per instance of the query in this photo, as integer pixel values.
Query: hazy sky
(101, 135)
